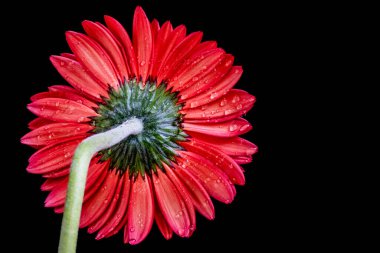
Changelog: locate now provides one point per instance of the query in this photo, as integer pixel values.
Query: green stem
(78, 175)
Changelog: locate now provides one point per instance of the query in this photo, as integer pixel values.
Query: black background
(262, 217)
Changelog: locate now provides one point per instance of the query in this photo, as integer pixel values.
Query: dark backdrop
(255, 33)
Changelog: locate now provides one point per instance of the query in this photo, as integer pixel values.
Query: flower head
(189, 149)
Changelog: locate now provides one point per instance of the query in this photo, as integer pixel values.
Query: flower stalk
(78, 174)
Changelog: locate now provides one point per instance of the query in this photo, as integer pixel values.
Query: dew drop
(142, 63)
(62, 63)
(132, 229)
(213, 95)
(228, 112)
(239, 106)
(244, 127)
(232, 127)
(203, 108)
(194, 104)
(235, 99)
(223, 102)
(195, 79)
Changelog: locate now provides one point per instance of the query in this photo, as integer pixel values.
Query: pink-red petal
(142, 42)
(76, 75)
(212, 178)
(230, 128)
(95, 206)
(56, 132)
(171, 204)
(163, 226)
(63, 110)
(66, 95)
(140, 211)
(104, 37)
(199, 196)
(217, 90)
(219, 159)
(53, 157)
(177, 55)
(199, 84)
(234, 146)
(93, 57)
(121, 34)
(38, 122)
(232, 105)
(194, 67)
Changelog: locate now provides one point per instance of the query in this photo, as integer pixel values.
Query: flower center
(157, 143)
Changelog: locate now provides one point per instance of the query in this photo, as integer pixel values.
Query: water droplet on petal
(239, 106)
(195, 79)
(132, 229)
(203, 108)
(228, 112)
(194, 104)
(142, 63)
(232, 127)
(62, 63)
(244, 127)
(213, 95)
(235, 99)
(223, 102)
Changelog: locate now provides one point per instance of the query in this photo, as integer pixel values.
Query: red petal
(106, 40)
(108, 213)
(166, 41)
(142, 41)
(232, 105)
(198, 194)
(163, 226)
(93, 58)
(198, 85)
(78, 77)
(53, 157)
(155, 28)
(51, 183)
(118, 218)
(219, 159)
(95, 206)
(178, 54)
(234, 146)
(67, 95)
(230, 128)
(70, 56)
(58, 109)
(212, 178)
(242, 159)
(54, 133)
(57, 173)
(216, 91)
(140, 211)
(63, 88)
(196, 66)
(38, 122)
(57, 197)
(171, 204)
(185, 196)
(119, 32)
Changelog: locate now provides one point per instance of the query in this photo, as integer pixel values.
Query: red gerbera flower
(188, 150)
